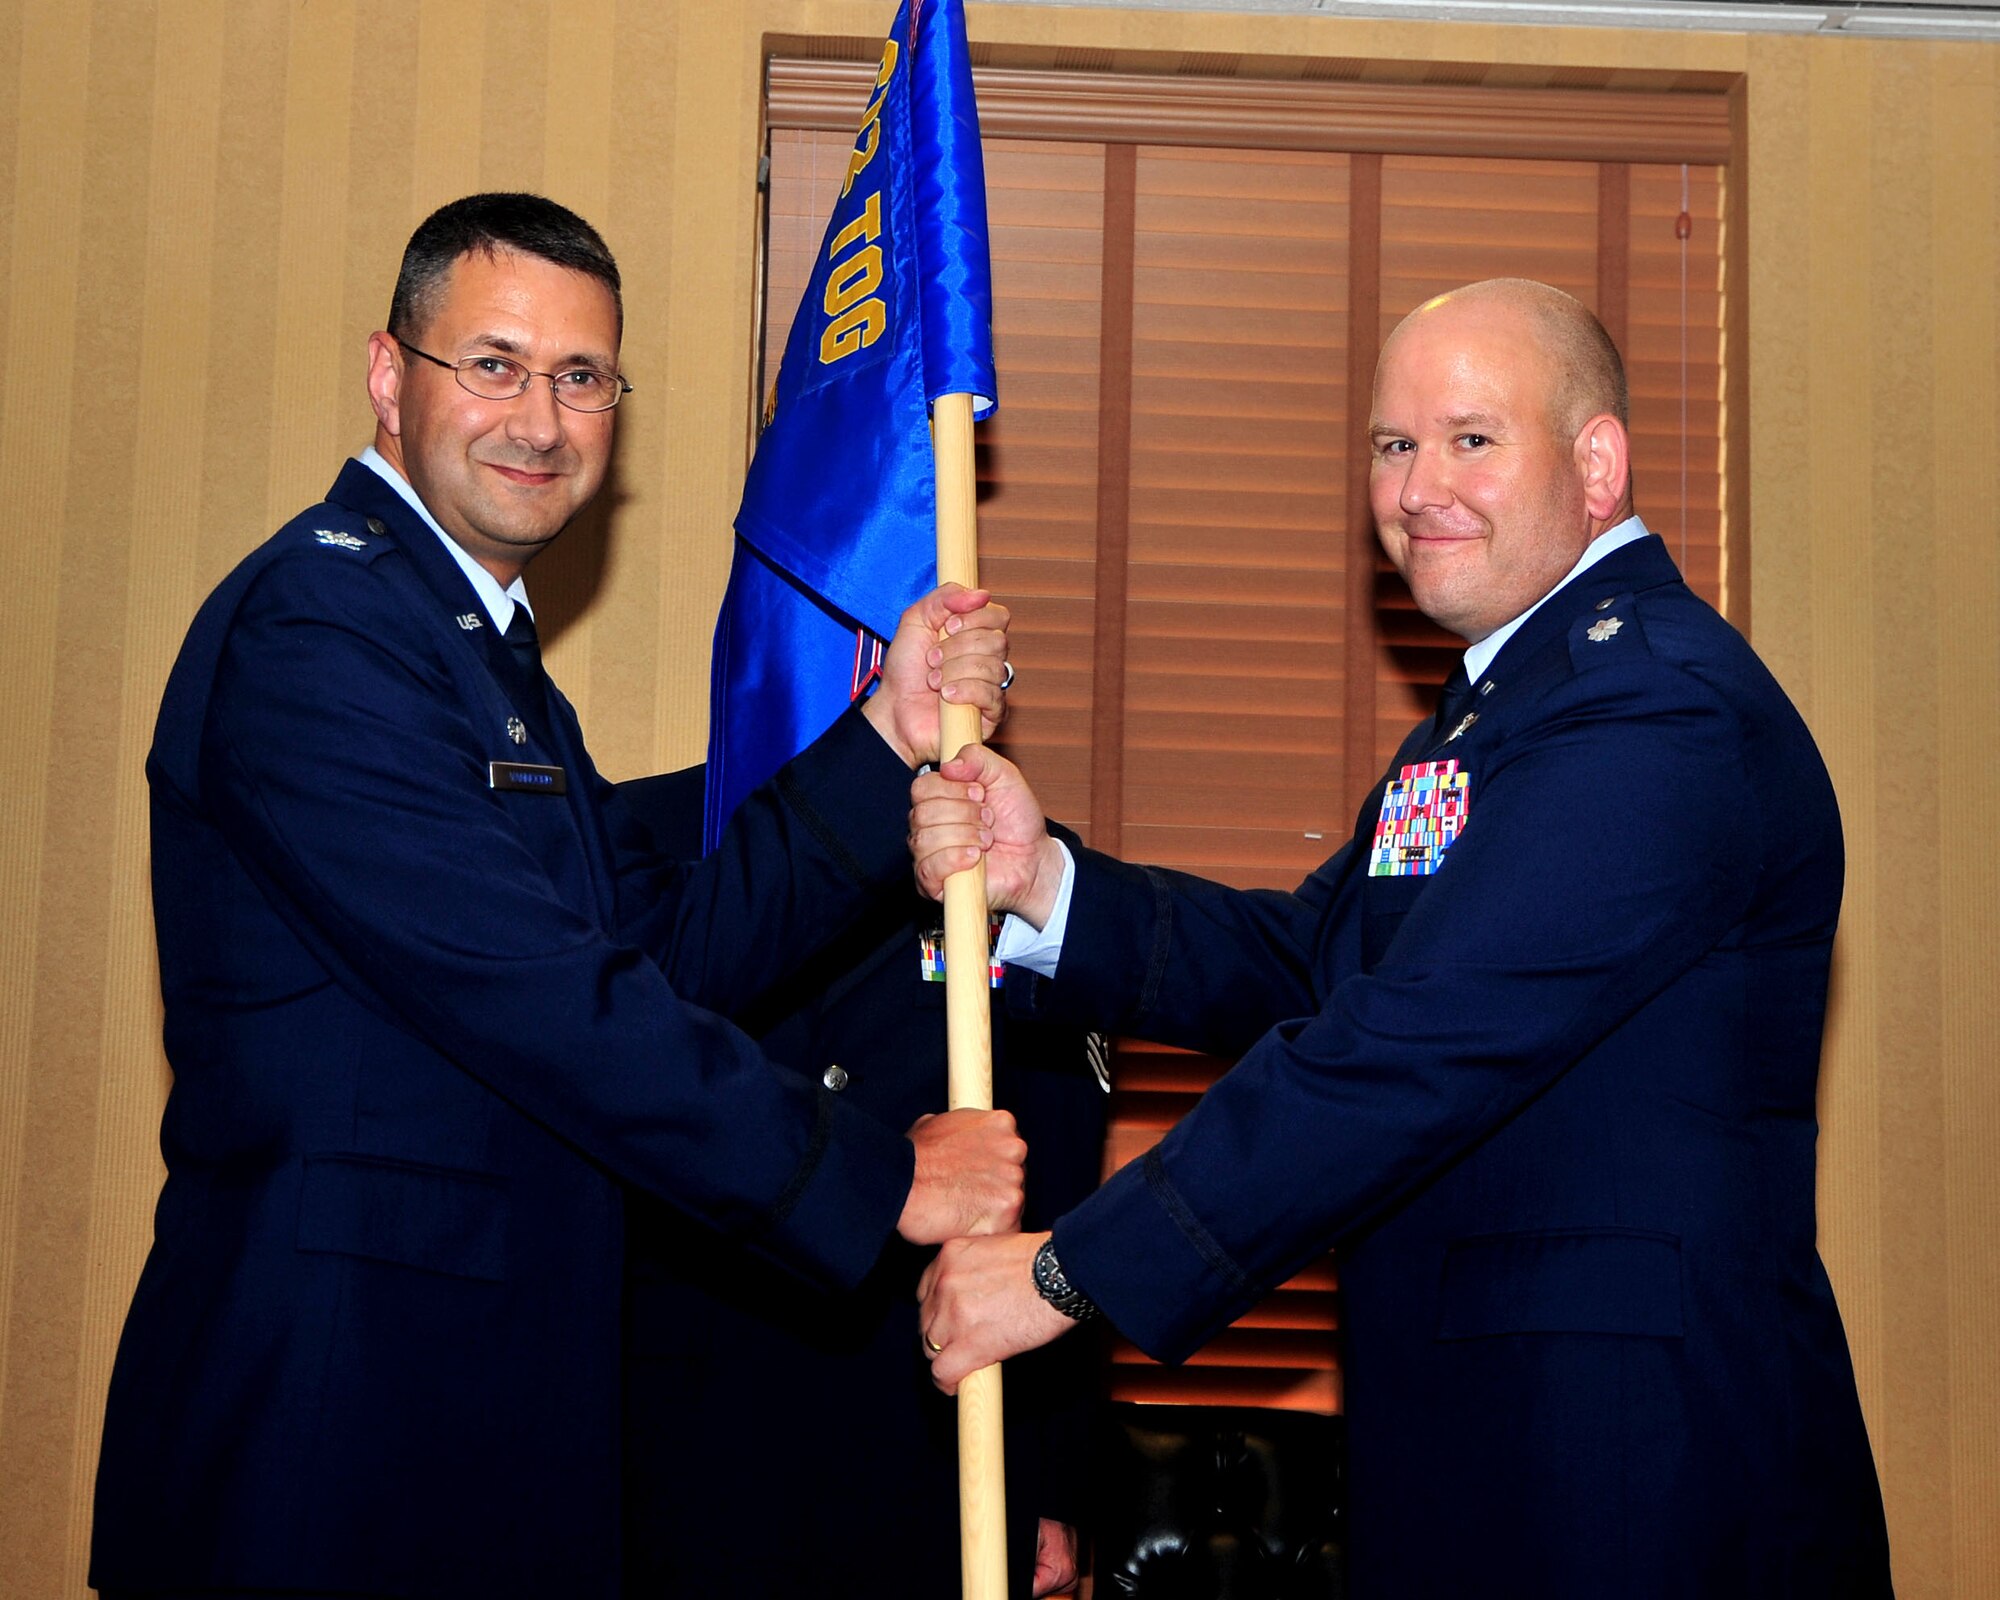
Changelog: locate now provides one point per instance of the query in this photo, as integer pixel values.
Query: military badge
(469, 620)
(930, 954)
(340, 540)
(517, 730)
(1598, 632)
(1423, 810)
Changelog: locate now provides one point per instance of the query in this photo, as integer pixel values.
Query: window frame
(818, 86)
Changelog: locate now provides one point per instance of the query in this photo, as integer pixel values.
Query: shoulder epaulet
(1609, 630)
(337, 532)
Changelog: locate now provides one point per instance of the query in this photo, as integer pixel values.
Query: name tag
(526, 777)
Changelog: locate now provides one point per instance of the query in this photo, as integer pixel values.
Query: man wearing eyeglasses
(431, 1006)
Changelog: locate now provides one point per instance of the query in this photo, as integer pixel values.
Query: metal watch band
(1057, 1289)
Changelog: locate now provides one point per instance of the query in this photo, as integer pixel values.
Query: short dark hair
(488, 223)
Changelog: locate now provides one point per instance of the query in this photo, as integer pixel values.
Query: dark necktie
(1453, 703)
(526, 645)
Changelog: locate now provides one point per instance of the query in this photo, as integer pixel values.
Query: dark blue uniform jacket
(1554, 1105)
(423, 1031)
(825, 1462)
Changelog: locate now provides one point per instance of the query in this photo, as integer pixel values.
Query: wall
(203, 206)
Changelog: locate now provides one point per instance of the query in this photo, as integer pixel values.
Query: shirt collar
(499, 603)
(1480, 656)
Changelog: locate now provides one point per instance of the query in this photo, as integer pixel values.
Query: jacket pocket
(1385, 902)
(436, 1219)
(1581, 1280)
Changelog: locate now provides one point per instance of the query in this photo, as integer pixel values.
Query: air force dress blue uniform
(429, 1008)
(853, 1458)
(1537, 1053)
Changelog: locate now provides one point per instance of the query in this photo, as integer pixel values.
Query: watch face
(1056, 1289)
(1048, 1276)
(1044, 1259)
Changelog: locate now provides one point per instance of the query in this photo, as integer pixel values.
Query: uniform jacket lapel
(1528, 661)
(363, 491)
(554, 731)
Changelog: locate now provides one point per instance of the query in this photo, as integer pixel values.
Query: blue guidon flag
(837, 531)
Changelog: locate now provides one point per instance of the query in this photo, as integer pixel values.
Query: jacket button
(378, 527)
(835, 1078)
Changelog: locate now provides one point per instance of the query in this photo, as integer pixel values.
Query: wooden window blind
(1215, 659)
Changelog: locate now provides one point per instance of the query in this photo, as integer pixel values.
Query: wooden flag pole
(982, 1474)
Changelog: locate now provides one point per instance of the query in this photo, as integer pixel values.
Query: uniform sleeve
(802, 856)
(345, 775)
(1167, 956)
(1606, 850)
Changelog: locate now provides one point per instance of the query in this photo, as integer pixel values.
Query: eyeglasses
(498, 378)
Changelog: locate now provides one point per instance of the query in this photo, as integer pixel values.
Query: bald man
(1536, 1052)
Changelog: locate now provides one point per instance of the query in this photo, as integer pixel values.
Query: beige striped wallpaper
(203, 204)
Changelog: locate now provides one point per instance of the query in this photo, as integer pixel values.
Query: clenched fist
(980, 1305)
(970, 1171)
(950, 644)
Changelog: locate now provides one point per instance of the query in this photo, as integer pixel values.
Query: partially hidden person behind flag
(782, 1440)
(432, 1004)
(837, 533)
(1536, 1052)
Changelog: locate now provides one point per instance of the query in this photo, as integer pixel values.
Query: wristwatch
(1053, 1287)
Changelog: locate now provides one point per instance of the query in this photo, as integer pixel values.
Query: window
(1191, 278)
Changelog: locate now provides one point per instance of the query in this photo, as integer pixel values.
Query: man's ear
(385, 382)
(1604, 463)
